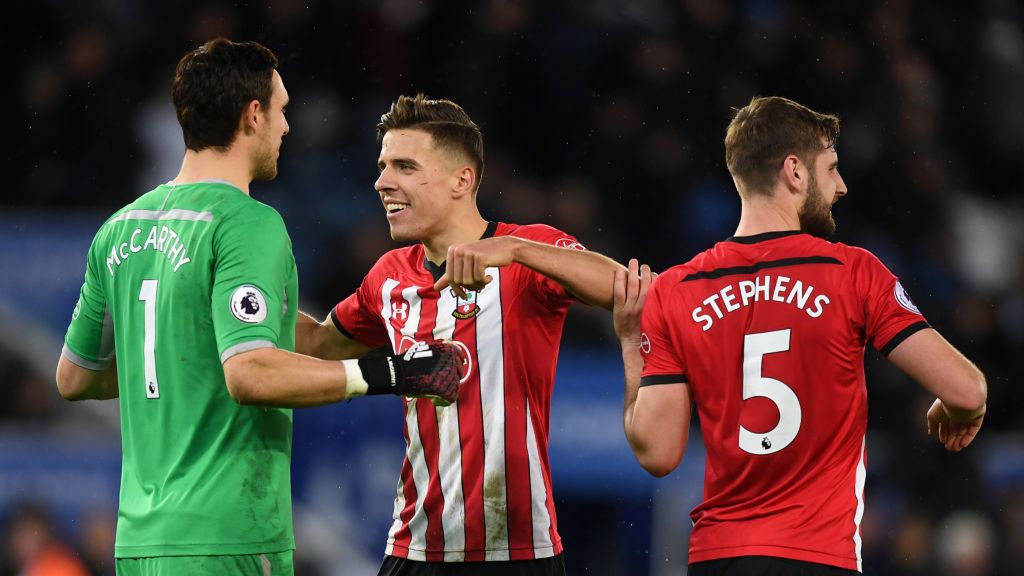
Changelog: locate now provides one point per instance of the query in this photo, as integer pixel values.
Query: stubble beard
(264, 163)
(816, 215)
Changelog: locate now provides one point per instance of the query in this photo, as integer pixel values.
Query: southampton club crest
(466, 308)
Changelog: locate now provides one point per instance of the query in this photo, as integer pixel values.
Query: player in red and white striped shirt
(475, 485)
(765, 334)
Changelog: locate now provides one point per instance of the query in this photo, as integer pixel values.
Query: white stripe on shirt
(542, 544)
(490, 353)
(453, 516)
(859, 492)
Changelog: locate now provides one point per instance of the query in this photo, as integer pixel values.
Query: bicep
(660, 425)
(940, 368)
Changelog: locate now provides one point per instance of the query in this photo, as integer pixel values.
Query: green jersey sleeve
(253, 264)
(89, 341)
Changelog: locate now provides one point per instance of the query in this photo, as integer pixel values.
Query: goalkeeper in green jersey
(187, 315)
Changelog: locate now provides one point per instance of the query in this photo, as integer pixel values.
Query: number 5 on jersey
(148, 296)
(755, 384)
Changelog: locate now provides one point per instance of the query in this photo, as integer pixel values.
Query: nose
(840, 185)
(384, 181)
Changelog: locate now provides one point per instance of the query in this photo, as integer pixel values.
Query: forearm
(106, 386)
(77, 383)
(322, 340)
(306, 334)
(943, 371)
(587, 275)
(964, 415)
(273, 377)
(633, 364)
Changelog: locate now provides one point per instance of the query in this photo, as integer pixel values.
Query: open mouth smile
(394, 207)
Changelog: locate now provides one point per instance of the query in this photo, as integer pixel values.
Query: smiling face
(415, 184)
(824, 188)
(267, 152)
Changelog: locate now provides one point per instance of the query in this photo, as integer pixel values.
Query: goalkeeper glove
(427, 370)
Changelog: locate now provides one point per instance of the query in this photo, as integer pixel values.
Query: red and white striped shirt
(476, 483)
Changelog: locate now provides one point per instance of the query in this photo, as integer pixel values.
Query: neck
(760, 214)
(209, 164)
(458, 230)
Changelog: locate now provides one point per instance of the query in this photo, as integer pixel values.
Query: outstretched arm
(587, 275)
(656, 418)
(960, 386)
(273, 377)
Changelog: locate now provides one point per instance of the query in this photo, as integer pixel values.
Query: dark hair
(212, 86)
(767, 130)
(444, 120)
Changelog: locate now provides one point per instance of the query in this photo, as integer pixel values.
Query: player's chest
(411, 309)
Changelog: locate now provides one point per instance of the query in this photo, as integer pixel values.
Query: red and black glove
(430, 369)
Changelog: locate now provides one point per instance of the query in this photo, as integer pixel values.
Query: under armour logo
(399, 310)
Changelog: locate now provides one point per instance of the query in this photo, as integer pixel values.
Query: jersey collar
(762, 237)
(437, 271)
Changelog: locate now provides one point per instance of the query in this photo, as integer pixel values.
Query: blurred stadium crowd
(605, 119)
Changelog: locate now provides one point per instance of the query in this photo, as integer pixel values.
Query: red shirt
(475, 484)
(769, 331)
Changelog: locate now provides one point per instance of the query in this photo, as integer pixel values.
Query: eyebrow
(415, 164)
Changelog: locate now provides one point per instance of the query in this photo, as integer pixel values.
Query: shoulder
(710, 259)
(405, 260)
(247, 218)
(245, 207)
(853, 255)
(539, 233)
(673, 277)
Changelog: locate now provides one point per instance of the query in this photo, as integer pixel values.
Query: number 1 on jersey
(148, 296)
(755, 384)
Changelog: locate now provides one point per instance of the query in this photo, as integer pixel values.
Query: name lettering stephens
(160, 238)
(760, 289)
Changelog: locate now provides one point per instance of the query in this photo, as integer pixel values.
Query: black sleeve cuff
(901, 336)
(337, 324)
(657, 379)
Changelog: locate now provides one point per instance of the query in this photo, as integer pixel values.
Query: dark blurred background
(604, 118)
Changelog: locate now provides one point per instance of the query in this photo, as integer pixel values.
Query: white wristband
(355, 385)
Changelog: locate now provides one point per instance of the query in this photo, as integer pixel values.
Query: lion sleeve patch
(248, 304)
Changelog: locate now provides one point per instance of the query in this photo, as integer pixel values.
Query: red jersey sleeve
(358, 316)
(545, 234)
(890, 315)
(663, 361)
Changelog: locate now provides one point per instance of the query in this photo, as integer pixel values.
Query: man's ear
(793, 173)
(252, 116)
(463, 181)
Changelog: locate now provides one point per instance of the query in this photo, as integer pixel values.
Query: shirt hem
(778, 551)
(152, 551)
(539, 552)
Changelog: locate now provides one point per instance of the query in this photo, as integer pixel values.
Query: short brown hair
(767, 130)
(214, 83)
(444, 120)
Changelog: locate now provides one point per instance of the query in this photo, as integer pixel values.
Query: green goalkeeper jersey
(176, 283)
